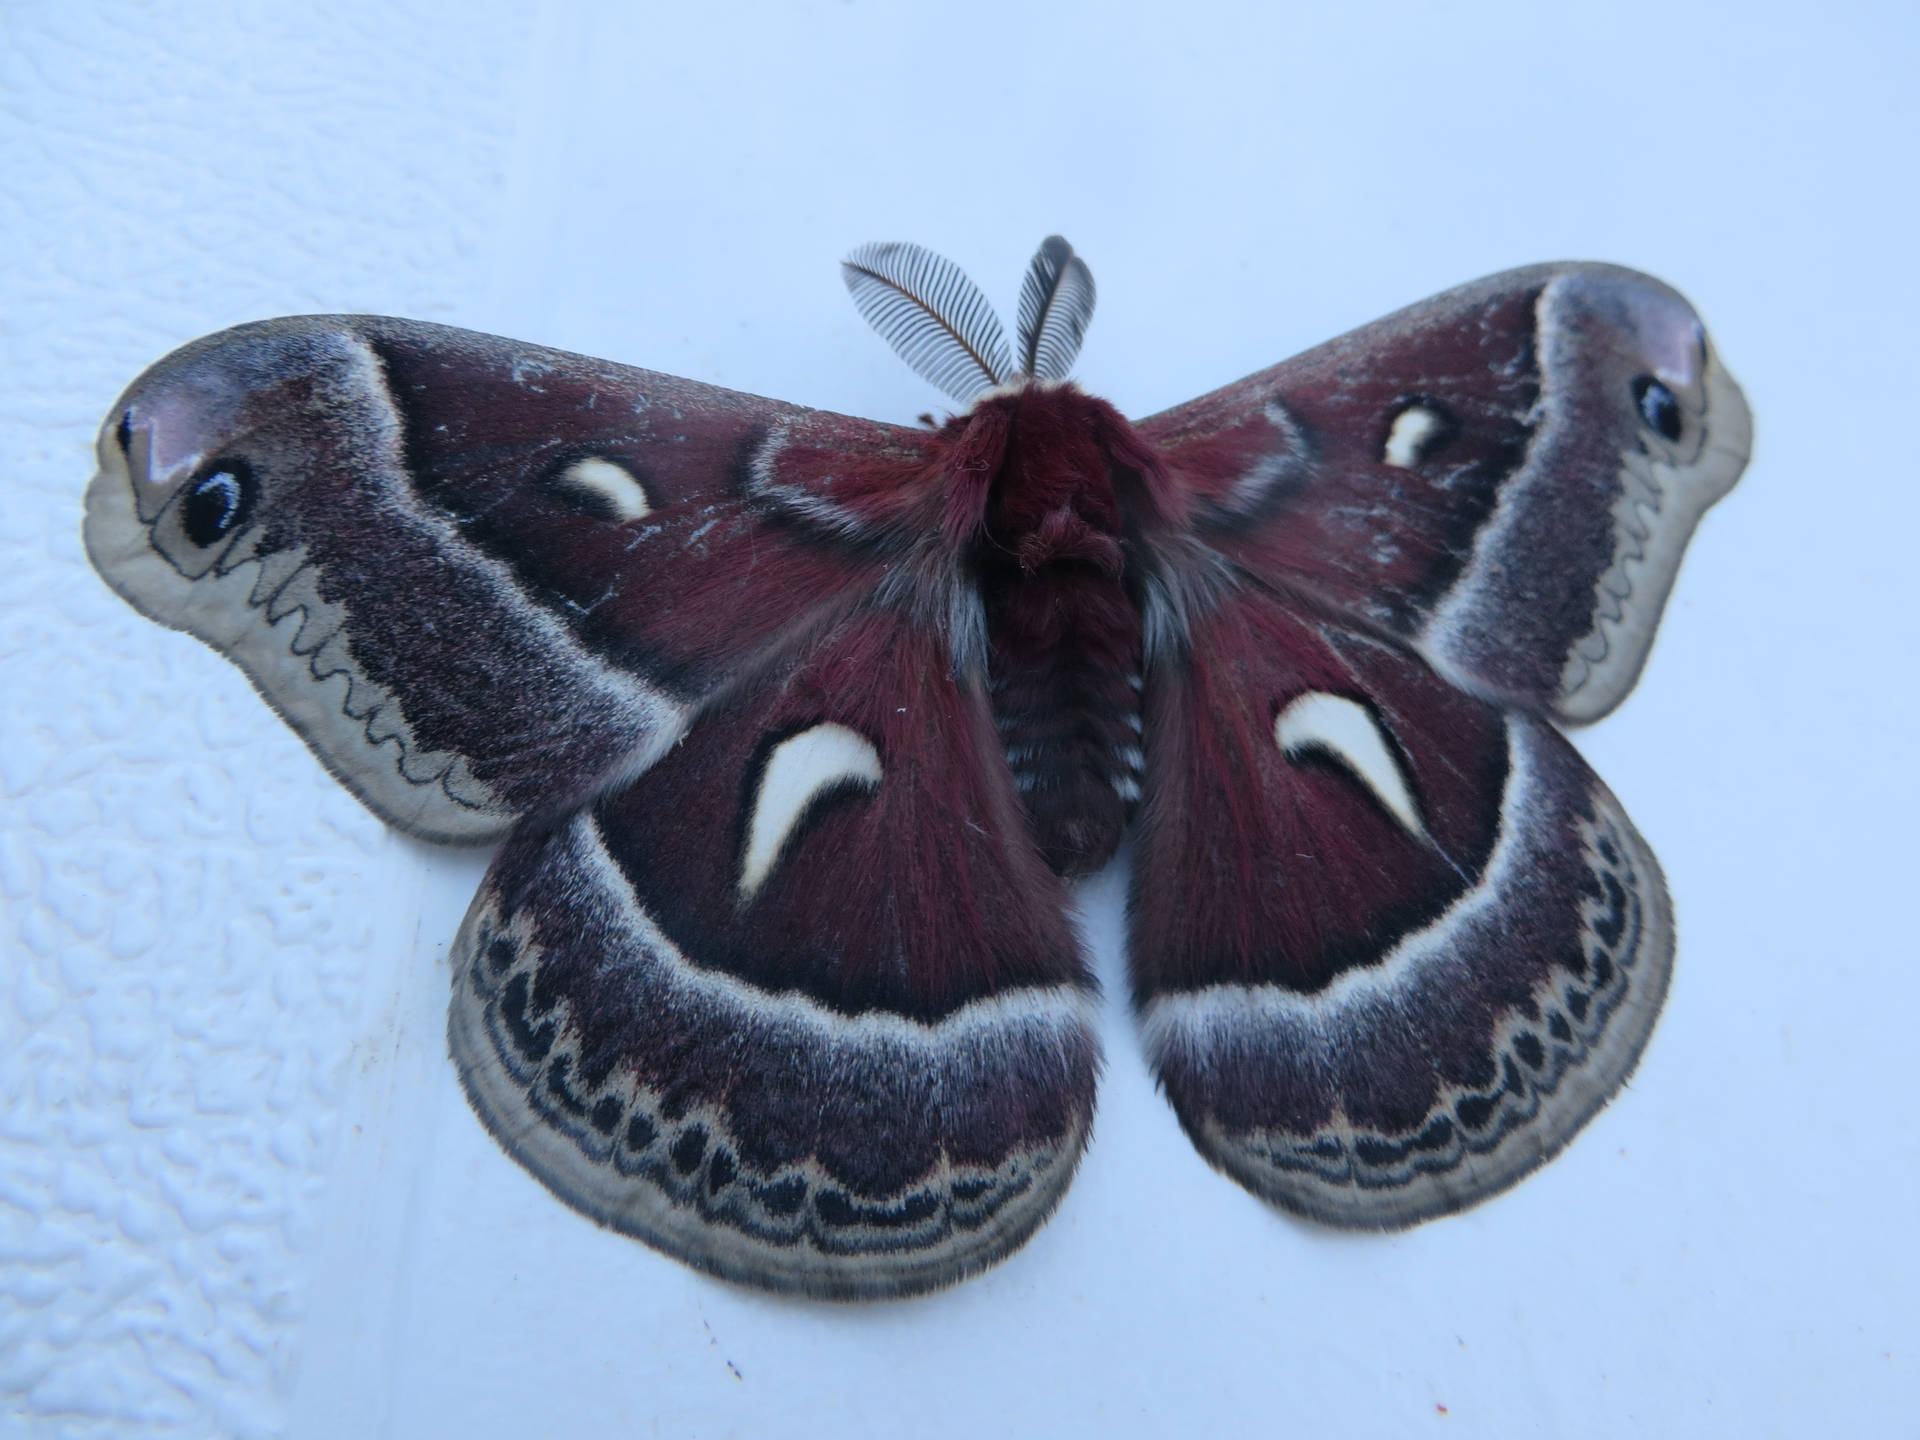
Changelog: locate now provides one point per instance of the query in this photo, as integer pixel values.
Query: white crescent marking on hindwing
(613, 485)
(1347, 731)
(798, 771)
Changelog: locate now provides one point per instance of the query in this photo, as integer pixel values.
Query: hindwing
(1392, 945)
(800, 1005)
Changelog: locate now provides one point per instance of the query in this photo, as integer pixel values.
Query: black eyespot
(1658, 409)
(218, 502)
(123, 432)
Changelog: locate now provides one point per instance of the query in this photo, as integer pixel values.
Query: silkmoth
(793, 727)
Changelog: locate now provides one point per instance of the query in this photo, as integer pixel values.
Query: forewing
(1392, 945)
(480, 578)
(1505, 475)
(799, 1006)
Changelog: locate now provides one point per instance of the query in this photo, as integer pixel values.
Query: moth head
(1023, 414)
(1048, 472)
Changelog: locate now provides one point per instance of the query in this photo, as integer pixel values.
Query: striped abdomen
(1065, 684)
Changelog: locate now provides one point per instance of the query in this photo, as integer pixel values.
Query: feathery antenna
(932, 314)
(1056, 302)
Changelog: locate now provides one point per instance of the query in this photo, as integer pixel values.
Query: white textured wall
(240, 1194)
(201, 966)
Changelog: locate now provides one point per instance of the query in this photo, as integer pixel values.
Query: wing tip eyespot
(1657, 407)
(218, 501)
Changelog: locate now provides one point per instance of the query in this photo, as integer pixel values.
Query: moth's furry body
(790, 723)
(1047, 538)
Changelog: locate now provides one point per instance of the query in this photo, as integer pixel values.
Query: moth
(793, 727)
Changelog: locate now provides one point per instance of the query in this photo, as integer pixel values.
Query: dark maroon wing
(1392, 945)
(800, 1005)
(1504, 475)
(480, 578)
